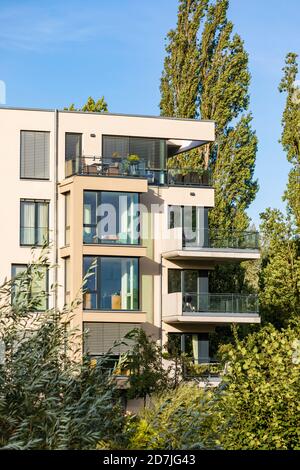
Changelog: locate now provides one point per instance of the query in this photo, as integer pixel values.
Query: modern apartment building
(101, 188)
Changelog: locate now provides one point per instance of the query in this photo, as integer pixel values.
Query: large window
(112, 283)
(194, 345)
(151, 152)
(194, 223)
(188, 281)
(102, 337)
(34, 227)
(111, 217)
(35, 154)
(73, 152)
(33, 286)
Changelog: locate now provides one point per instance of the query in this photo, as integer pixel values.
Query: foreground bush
(257, 405)
(47, 400)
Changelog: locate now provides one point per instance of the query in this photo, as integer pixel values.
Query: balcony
(210, 245)
(210, 308)
(126, 168)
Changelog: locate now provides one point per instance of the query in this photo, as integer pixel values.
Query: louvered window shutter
(100, 337)
(35, 154)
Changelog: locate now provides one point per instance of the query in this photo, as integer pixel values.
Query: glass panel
(90, 269)
(39, 285)
(174, 280)
(27, 223)
(42, 222)
(111, 217)
(67, 280)
(72, 153)
(39, 288)
(89, 216)
(175, 216)
(113, 285)
(67, 219)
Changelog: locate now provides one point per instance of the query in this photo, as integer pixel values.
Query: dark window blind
(35, 154)
(100, 337)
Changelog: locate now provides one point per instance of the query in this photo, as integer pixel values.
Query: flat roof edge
(16, 108)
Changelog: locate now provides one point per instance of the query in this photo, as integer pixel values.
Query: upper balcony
(209, 245)
(210, 308)
(129, 167)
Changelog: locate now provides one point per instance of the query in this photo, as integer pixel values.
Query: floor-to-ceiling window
(193, 283)
(194, 223)
(111, 217)
(112, 283)
(194, 345)
(137, 156)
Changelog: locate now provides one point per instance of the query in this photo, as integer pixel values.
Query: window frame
(136, 137)
(98, 285)
(13, 276)
(107, 241)
(32, 178)
(36, 202)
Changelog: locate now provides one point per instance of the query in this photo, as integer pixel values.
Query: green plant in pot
(133, 161)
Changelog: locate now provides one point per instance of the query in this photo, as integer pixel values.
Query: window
(111, 218)
(152, 152)
(35, 154)
(34, 227)
(194, 345)
(194, 223)
(32, 288)
(73, 152)
(174, 280)
(67, 281)
(188, 281)
(100, 337)
(67, 219)
(112, 283)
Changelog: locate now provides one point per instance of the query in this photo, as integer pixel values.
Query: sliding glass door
(112, 283)
(194, 287)
(194, 223)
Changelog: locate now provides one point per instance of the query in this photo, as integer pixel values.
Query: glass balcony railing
(219, 303)
(206, 238)
(126, 167)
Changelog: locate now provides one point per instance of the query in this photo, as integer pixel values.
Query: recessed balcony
(136, 168)
(210, 308)
(205, 244)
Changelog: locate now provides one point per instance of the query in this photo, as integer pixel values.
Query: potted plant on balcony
(133, 161)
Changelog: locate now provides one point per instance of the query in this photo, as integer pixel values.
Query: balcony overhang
(212, 254)
(214, 318)
(104, 183)
(186, 145)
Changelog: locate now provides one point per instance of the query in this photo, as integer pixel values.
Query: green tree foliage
(209, 77)
(91, 106)
(47, 399)
(259, 406)
(290, 138)
(280, 269)
(256, 407)
(180, 78)
(178, 419)
(144, 360)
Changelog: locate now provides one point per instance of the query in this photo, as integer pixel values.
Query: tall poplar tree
(216, 66)
(280, 270)
(180, 78)
(290, 138)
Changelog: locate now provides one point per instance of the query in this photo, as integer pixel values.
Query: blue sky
(59, 52)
